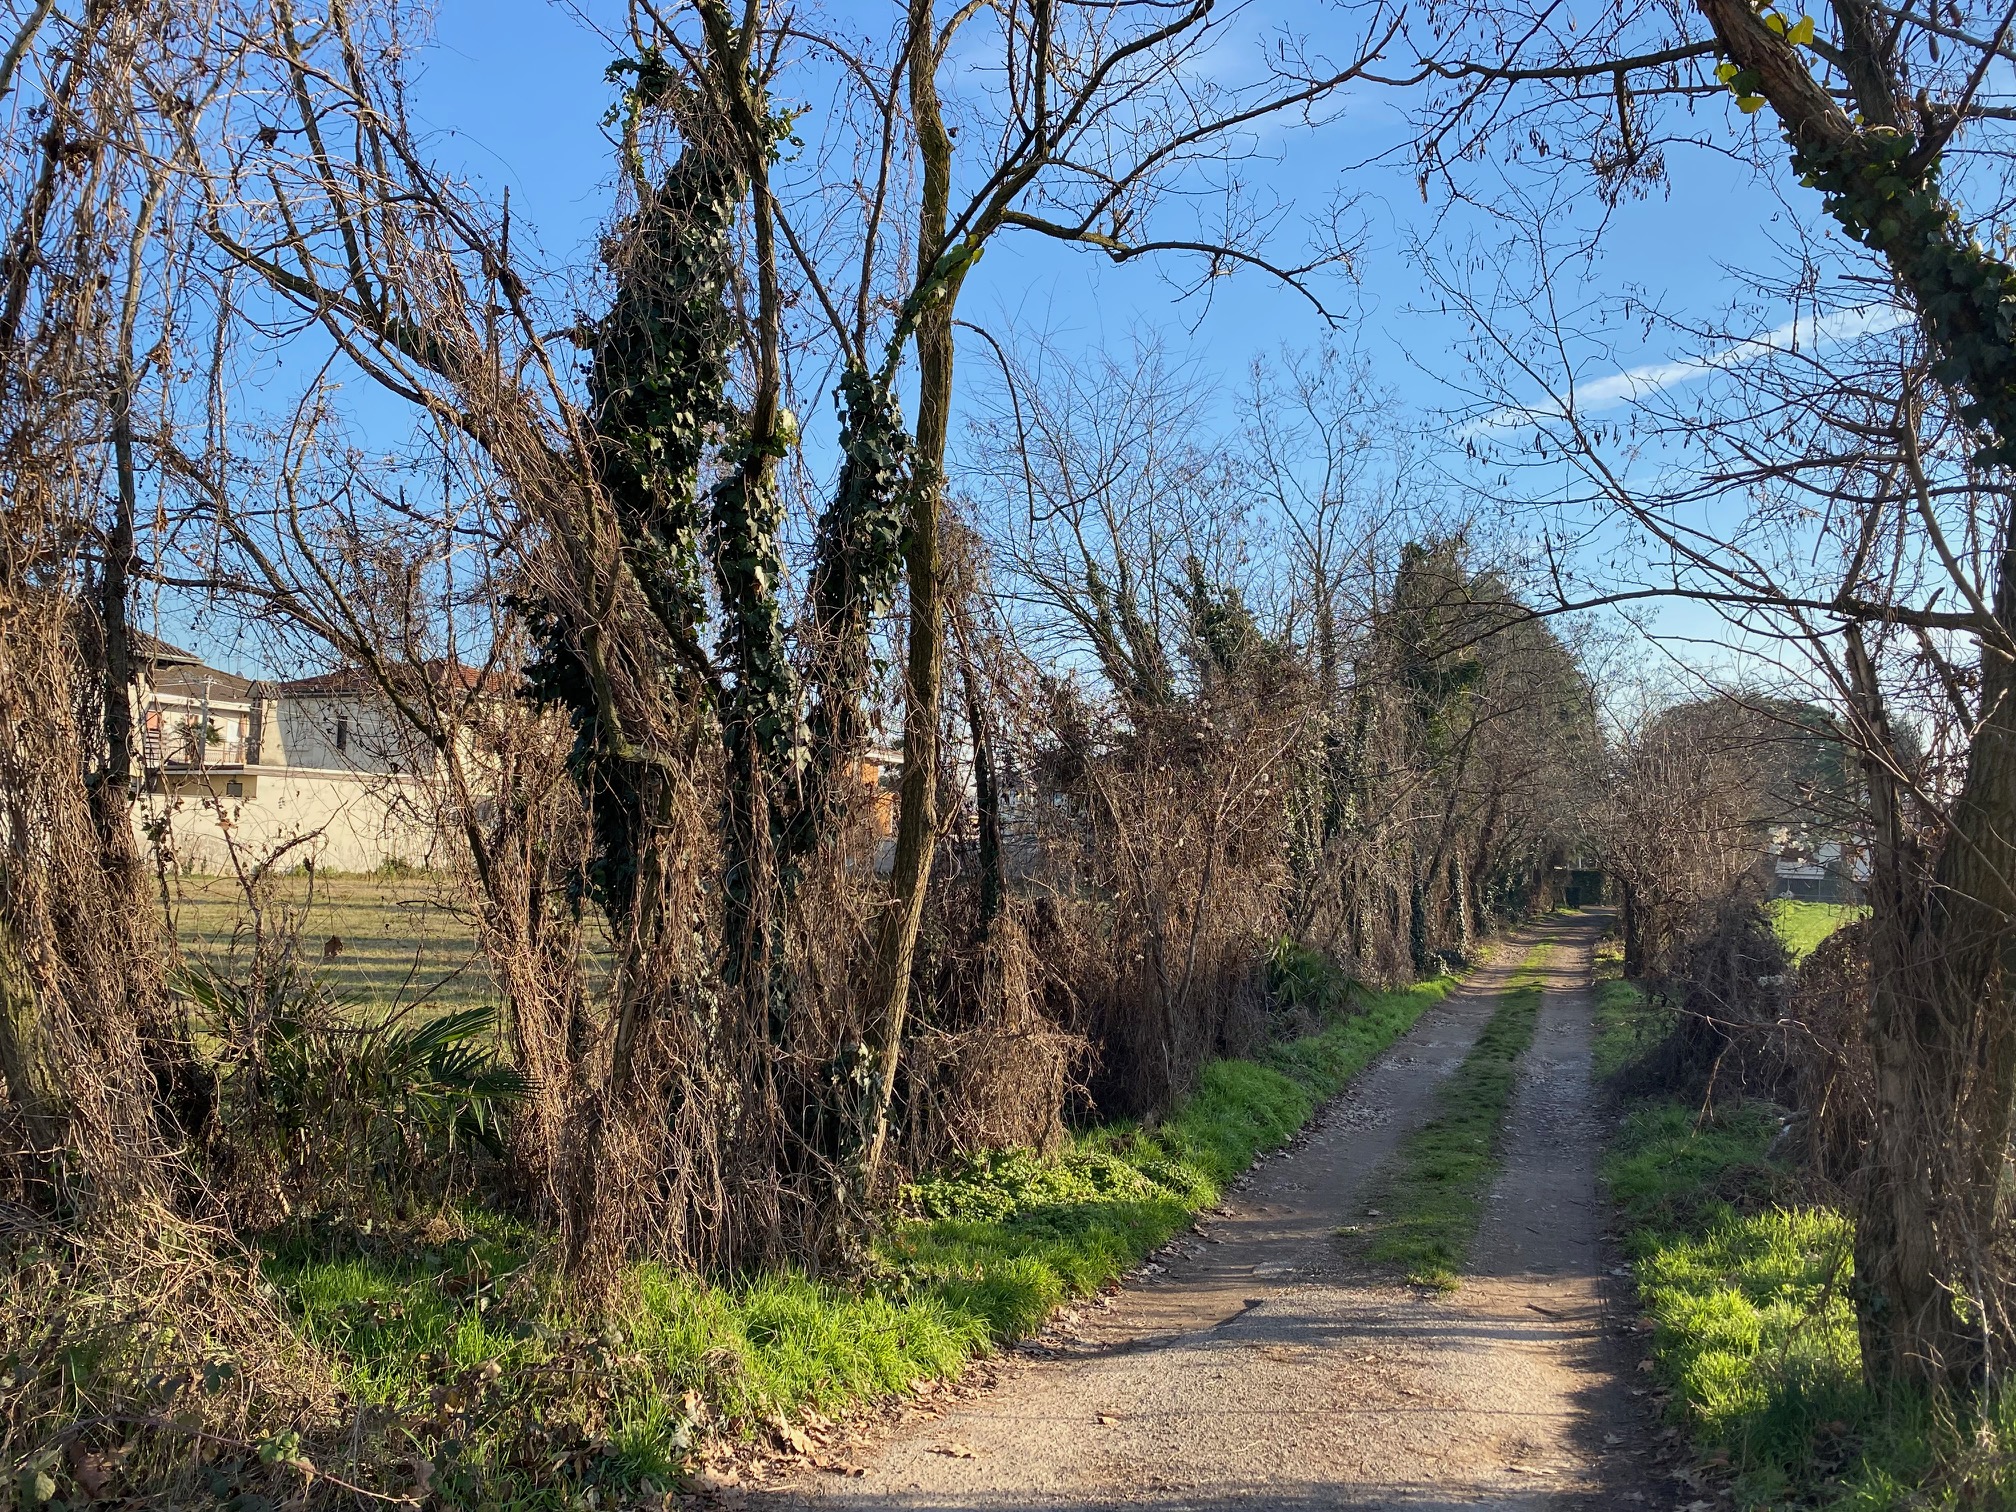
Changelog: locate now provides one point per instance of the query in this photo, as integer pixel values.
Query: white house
(1815, 866)
(317, 769)
(311, 770)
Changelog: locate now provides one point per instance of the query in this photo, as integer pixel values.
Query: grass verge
(1753, 1340)
(1627, 1026)
(473, 1368)
(1427, 1205)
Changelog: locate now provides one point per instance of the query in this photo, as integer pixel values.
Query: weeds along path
(1260, 1366)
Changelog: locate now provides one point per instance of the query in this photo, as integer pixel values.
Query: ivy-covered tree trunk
(857, 558)
(624, 655)
(1943, 1001)
(644, 691)
(759, 709)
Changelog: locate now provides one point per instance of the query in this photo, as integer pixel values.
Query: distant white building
(310, 771)
(1816, 868)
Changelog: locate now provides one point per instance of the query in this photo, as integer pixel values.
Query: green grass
(1753, 1330)
(407, 937)
(1626, 1024)
(1802, 926)
(403, 936)
(468, 1358)
(1428, 1202)
(518, 1404)
(1748, 1290)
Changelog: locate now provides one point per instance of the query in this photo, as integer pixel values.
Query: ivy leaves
(691, 490)
(1745, 83)
(1882, 187)
(1799, 33)
(1883, 195)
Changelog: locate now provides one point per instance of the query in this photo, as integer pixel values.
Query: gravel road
(1254, 1365)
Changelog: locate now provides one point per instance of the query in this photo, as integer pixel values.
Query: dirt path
(1259, 1368)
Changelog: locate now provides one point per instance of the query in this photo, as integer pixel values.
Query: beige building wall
(339, 819)
(310, 771)
(337, 733)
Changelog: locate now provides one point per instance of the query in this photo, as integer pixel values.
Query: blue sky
(513, 92)
(519, 85)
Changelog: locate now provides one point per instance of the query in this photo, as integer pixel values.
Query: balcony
(184, 752)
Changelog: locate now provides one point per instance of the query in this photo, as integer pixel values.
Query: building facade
(310, 771)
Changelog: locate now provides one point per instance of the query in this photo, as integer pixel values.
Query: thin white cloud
(1636, 384)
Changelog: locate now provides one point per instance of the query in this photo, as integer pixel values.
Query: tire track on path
(1256, 1366)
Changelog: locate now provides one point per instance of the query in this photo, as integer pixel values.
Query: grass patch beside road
(1626, 1024)
(1753, 1334)
(1746, 1289)
(1428, 1205)
(465, 1355)
(1752, 1329)
(1747, 1284)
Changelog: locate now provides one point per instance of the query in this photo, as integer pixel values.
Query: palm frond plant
(323, 1105)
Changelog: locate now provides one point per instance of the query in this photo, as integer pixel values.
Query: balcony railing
(178, 753)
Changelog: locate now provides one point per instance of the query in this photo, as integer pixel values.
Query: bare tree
(1840, 517)
(1102, 486)
(1682, 822)
(1097, 117)
(1894, 114)
(643, 506)
(92, 304)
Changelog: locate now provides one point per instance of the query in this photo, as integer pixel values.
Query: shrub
(316, 1109)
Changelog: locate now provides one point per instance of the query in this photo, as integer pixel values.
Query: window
(234, 789)
(342, 732)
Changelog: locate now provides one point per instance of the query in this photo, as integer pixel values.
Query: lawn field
(403, 937)
(1802, 926)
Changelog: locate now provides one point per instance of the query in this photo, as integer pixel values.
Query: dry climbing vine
(858, 555)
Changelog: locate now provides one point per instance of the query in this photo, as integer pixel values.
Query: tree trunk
(760, 723)
(184, 1090)
(1943, 947)
(1633, 924)
(917, 829)
(112, 809)
(1417, 925)
(986, 781)
(1943, 1042)
(917, 826)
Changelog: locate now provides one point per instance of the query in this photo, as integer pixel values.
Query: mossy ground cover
(471, 1364)
(1746, 1283)
(1427, 1203)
